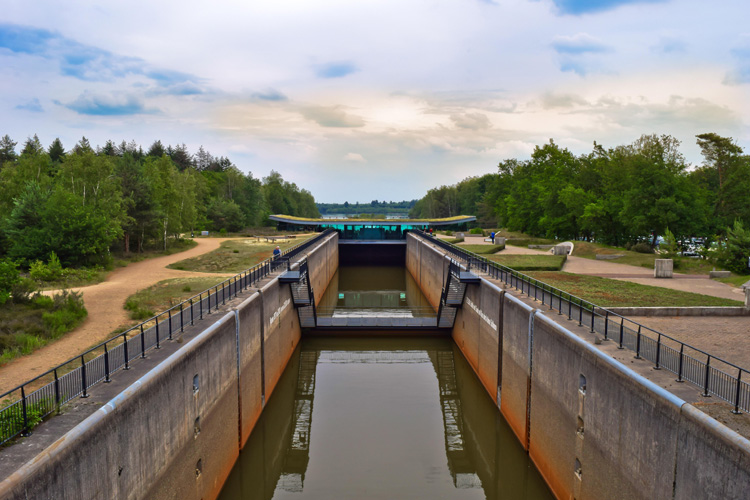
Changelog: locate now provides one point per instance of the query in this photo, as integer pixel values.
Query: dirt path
(104, 303)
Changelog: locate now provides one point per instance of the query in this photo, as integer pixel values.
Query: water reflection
(382, 428)
(366, 291)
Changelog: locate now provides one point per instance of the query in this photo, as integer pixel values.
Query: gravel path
(104, 303)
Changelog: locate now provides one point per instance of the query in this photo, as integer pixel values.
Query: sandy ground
(104, 303)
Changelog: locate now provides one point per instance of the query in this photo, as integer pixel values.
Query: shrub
(43, 302)
(21, 291)
(52, 271)
(734, 253)
(449, 233)
(67, 311)
(187, 288)
(476, 230)
(9, 276)
(642, 247)
(670, 245)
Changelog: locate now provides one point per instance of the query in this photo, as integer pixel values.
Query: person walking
(492, 235)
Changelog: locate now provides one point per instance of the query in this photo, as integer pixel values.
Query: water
(381, 418)
(361, 291)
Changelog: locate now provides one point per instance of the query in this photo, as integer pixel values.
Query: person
(492, 235)
(276, 252)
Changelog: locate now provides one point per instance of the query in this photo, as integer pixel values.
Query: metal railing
(710, 373)
(43, 395)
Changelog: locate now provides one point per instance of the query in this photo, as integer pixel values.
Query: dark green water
(361, 291)
(381, 418)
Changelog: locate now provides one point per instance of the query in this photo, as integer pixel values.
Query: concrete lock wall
(428, 266)
(177, 431)
(594, 428)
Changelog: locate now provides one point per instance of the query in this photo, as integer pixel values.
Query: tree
(83, 146)
(56, 151)
(719, 177)
(109, 149)
(7, 150)
(32, 147)
(735, 252)
(156, 150)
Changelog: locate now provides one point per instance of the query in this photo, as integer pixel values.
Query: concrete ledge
(681, 311)
(719, 274)
(541, 247)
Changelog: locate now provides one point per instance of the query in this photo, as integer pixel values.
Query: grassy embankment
(32, 323)
(530, 262)
(232, 256)
(611, 293)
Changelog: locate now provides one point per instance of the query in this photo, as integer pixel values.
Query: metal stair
(452, 296)
(303, 296)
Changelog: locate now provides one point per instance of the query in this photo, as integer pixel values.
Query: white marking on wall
(278, 312)
(481, 314)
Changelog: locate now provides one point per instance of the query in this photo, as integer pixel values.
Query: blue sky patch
(103, 105)
(576, 7)
(22, 39)
(270, 95)
(33, 105)
(335, 70)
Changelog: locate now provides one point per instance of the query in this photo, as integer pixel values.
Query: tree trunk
(127, 243)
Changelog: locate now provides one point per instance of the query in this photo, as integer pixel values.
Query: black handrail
(664, 351)
(19, 416)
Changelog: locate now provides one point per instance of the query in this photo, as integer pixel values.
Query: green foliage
(67, 312)
(734, 253)
(9, 277)
(670, 246)
(51, 271)
(381, 207)
(642, 247)
(476, 230)
(483, 249)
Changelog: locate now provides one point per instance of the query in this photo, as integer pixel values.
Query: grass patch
(530, 262)
(736, 281)
(612, 293)
(233, 256)
(686, 265)
(29, 326)
(483, 249)
(525, 242)
(165, 294)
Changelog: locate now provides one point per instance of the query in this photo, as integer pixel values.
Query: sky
(364, 100)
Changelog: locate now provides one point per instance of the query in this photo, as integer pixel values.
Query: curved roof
(290, 219)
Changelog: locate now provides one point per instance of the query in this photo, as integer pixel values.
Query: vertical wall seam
(500, 347)
(239, 385)
(528, 384)
(262, 351)
(676, 451)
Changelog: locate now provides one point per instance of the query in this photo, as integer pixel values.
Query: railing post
(143, 343)
(216, 302)
(737, 394)
(638, 344)
(209, 301)
(26, 431)
(57, 392)
(182, 319)
(223, 293)
(606, 324)
(106, 364)
(200, 302)
(622, 331)
(83, 377)
(570, 306)
(191, 312)
(169, 313)
(658, 352)
(705, 383)
(158, 344)
(125, 349)
(679, 368)
(580, 312)
(593, 317)
(559, 304)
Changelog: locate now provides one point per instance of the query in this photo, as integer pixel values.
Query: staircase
(303, 297)
(453, 295)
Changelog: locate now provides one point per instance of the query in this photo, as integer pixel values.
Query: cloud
(108, 105)
(578, 53)
(354, 157)
(741, 72)
(92, 64)
(335, 70)
(668, 45)
(332, 116)
(33, 105)
(581, 43)
(270, 95)
(20, 39)
(577, 7)
(551, 100)
(471, 121)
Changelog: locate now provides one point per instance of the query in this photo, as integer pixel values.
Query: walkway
(104, 303)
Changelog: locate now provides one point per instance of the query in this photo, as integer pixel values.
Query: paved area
(104, 303)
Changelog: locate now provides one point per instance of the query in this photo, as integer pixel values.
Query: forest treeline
(79, 204)
(374, 207)
(614, 196)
